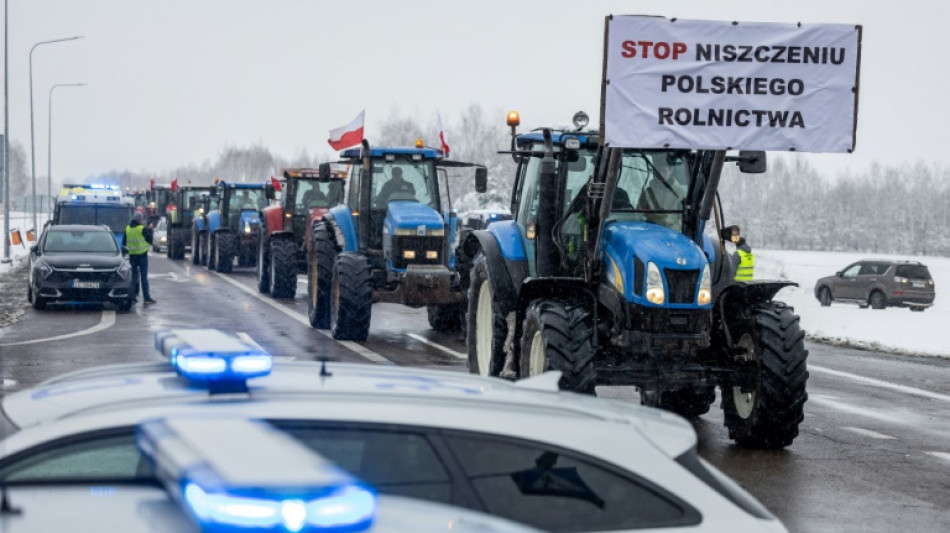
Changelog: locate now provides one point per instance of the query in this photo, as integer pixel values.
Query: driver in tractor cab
(664, 190)
(396, 184)
(246, 202)
(314, 198)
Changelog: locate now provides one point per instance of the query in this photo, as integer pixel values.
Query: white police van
(521, 452)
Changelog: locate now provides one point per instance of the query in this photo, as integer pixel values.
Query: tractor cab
(232, 225)
(306, 197)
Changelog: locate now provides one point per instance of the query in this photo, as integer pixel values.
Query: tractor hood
(651, 242)
(412, 216)
(250, 221)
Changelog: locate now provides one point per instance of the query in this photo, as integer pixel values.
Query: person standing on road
(138, 239)
(744, 259)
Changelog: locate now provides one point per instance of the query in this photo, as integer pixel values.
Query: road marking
(7, 383)
(868, 433)
(438, 346)
(250, 340)
(170, 275)
(355, 347)
(942, 455)
(106, 321)
(869, 413)
(881, 383)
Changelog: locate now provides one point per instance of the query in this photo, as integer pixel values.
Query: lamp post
(6, 132)
(32, 133)
(49, 142)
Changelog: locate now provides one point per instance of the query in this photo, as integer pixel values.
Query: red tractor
(285, 227)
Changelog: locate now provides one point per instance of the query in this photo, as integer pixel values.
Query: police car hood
(81, 260)
(412, 215)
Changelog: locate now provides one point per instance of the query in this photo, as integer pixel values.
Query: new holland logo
(680, 261)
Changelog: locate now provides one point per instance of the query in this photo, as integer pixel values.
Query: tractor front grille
(419, 245)
(682, 285)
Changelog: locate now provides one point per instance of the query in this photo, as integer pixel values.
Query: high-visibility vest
(135, 240)
(746, 265)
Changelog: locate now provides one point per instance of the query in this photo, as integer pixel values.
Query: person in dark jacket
(138, 239)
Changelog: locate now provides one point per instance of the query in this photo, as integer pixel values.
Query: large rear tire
(195, 246)
(768, 415)
(224, 244)
(321, 259)
(263, 266)
(210, 251)
(688, 402)
(445, 317)
(176, 243)
(559, 335)
(352, 298)
(486, 328)
(283, 267)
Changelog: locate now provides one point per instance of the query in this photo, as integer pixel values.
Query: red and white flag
(174, 184)
(276, 183)
(443, 139)
(349, 135)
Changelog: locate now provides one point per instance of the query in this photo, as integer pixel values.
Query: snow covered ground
(895, 330)
(18, 220)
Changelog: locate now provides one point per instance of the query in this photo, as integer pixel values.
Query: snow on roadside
(18, 220)
(12, 286)
(894, 330)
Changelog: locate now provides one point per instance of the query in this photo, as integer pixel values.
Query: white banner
(698, 84)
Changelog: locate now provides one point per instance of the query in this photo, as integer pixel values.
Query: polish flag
(442, 137)
(276, 184)
(174, 184)
(349, 135)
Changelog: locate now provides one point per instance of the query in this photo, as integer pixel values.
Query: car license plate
(85, 284)
(919, 285)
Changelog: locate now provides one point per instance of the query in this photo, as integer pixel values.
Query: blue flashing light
(493, 216)
(285, 487)
(210, 355)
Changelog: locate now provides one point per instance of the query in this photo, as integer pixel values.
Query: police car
(521, 451)
(94, 204)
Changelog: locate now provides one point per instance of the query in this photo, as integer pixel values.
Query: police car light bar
(212, 356)
(235, 474)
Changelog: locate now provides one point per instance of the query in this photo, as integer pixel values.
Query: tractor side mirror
(481, 179)
(324, 169)
(752, 162)
(269, 192)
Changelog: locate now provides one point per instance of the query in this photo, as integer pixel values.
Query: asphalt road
(873, 454)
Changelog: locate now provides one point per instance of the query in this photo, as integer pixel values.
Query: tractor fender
(273, 218)
(737, 299)
(344, 228)
(338, 238)
(506, 276)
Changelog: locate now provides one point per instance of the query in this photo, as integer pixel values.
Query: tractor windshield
(246, 199)
(404, 179)
(651, 188)
(310, 194)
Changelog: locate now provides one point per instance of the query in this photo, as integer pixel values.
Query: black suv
(879, 284)
(74, 263)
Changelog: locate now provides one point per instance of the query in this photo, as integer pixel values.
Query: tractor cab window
(651, 188)
(246, 199)
(404, 180)
(191, 198)
(315, 194)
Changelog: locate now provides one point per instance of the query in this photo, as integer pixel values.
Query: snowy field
(895, 330)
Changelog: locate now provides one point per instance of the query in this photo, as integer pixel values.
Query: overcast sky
(170, 82)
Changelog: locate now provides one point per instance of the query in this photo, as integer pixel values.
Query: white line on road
(244, 336)
(106, 321)
(881, 383)
(855, 410)
(868, 433)
(942, 455)
(357, 348)
(438, 346)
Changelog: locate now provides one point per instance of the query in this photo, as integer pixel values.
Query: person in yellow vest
(744, 258)
(138, 239)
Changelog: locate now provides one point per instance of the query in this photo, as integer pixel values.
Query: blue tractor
(609, 274)
(232, 226)
(391, 241)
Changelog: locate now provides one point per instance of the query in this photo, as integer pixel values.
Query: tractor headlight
(247, 227)
(655, 293)
(409, 254)
(705, 288)
(432, 254)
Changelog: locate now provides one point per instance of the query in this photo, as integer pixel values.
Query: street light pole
(6, 133)
(32, 132)
(49, 142)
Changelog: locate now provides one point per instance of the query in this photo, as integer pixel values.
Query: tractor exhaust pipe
(547, 197)
(366, 183)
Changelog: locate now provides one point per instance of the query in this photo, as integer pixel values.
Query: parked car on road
(160, 236)
(78, 263)
(879, 284)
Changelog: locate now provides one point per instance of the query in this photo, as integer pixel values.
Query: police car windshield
(80, 241)
(116, 217)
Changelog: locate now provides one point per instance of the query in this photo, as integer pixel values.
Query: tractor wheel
(195, 246)
(263, 267)
(224, 244)
(877, 300)
(203, 245)
(283, 267)
(445, 317)
(688, 402)
(176, 244)
(321, 258)
(486, 328)
(209, 251)
(559, 335)
(351, 297)
(767, 416)
(824, 296)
